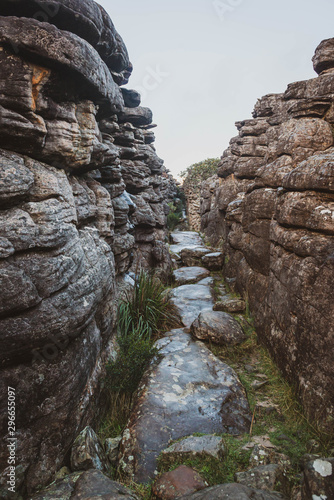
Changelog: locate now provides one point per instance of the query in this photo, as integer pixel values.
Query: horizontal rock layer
(272, 205)
(83, 200)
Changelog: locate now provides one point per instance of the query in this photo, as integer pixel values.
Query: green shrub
(147, 310)
(199, 172)
(173, 219)
(175, 214)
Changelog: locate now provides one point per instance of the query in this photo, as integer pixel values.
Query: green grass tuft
(143, 316)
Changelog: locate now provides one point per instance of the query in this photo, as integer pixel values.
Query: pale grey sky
(202, 64)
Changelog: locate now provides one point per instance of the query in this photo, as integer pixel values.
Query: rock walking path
(189, 398)
(189, 390)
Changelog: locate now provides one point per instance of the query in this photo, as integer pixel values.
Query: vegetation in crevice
(176, 210)
(143, 316)
(215, 471)
(282, 418)
(175, 215)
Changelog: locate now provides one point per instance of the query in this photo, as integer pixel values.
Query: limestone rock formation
(83, 197)
(272, 205)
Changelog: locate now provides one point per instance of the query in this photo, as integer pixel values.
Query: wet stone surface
(188, 390)
(186, 275)
(185, 239)
(191, 300)
(195, 446)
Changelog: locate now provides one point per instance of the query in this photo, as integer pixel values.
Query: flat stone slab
(191, 256)
(229, 303)
(207, 281)
(219, 327)
(213, 261)
(233, 491)
(194, 446)
(191, 300)
(188, 390)
(185, 239)
(186, 275)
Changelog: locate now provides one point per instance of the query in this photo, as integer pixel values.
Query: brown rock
(213, 261)
(181, 481)
(323, 59)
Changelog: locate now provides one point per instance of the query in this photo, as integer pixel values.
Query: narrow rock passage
(188, 389)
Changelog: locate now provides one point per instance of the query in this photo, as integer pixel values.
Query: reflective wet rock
(187, 390)
(191, 300)
(186, 275)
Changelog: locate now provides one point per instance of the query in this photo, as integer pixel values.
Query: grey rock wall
(83, 200)
(271, 204)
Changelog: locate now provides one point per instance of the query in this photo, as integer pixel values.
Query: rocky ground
(212, 417)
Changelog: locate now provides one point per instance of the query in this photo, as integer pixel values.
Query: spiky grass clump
(147, 311)
(143, 316)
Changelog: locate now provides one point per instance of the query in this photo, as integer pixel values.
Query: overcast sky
(202, 64)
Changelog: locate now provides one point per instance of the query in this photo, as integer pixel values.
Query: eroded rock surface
(188, 390)
(83, 197)
(272, 205)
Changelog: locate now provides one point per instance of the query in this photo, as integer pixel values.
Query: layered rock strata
(82, 199)
(272, 205)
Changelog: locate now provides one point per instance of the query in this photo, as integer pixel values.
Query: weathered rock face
(82, 199)
(272, 204)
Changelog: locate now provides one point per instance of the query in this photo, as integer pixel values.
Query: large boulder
(323, 59)
(218, 327)
(187, 390)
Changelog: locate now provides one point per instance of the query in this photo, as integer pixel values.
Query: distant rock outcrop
(272, 204)
(83, 197)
